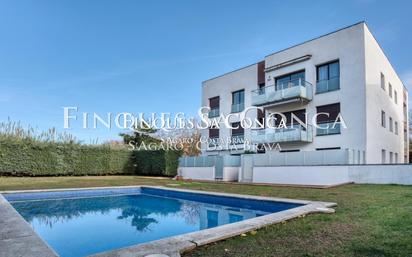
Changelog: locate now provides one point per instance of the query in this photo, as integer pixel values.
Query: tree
(140, 134)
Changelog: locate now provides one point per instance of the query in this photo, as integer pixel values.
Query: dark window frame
(328, 64)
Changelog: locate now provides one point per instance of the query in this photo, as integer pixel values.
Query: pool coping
(17, 238)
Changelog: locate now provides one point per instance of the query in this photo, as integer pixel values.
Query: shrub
(172, 162)
(25, 157)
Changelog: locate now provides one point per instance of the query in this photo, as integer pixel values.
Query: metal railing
(238, 107)
(292, 133)
(215, 112)
(327, 85)
(282, 92)
(328, 128)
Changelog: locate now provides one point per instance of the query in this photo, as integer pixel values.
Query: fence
(326, 157)
(209, 161)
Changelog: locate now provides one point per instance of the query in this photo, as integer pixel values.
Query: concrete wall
(302, 175)
(223, 86)
(333, 175)
(378, 100)
(208, 173)
(346, 46)
(231, 173)
(360, 95)
(197, 173)
(381, 174)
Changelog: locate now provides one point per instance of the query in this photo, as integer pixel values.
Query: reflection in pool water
(83, 226)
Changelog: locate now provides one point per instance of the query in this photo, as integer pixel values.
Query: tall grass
(15, 130)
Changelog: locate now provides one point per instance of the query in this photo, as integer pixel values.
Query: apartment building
(344, 74)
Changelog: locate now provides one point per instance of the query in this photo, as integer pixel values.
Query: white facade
(359, 93)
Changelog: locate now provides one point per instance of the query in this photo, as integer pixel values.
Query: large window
(238, 101)
(237, 133)
(214, 104)
(213, 136)
(326, 117)
(396, 96)
(383, 156)
(327, 77)
(390, 124)
(290, 80)
(390, 90)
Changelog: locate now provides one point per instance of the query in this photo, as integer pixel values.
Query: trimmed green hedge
(31, 158)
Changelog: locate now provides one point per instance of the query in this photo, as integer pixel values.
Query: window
(298, 114)
(326, 117)
(261, 89)
(390, 124)
(261, 118)
(382, 81)
(396, 96)
(327, 148)
(237, 133)
(213, 136)
(289, 151)
(327, 77)
(396, 128)
(390, 90)
(383, 119)
(390, 157)
(383, 156)
(396, 157)
(214, 104)
(290, 80)
(238, 101)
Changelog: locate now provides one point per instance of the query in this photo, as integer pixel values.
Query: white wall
(377, 99)
(223, 86)
(381, 174)
(208, 173)
(302, 175)
(231, 173)
(333, 175)
(197, 173)
(347, 47)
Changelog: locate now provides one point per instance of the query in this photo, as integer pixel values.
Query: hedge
(32, 158)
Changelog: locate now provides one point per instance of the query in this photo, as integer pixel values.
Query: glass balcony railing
(213, 141)
(295, 133)
(238, 107)
(299, 89)
(327, 85)
(328, 128)
(215, 112)
(237, 139)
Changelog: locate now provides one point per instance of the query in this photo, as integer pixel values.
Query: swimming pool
(85, 222)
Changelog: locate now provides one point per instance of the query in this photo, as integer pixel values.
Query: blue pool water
(80, 223)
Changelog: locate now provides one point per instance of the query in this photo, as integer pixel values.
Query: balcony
(328, 128)
(295, 133)
(327, 85)
(215, 112)
(237, 139)
(291, 91)
(213, 142)
(238, 107)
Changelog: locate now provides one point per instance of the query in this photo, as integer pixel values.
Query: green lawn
(370, 220)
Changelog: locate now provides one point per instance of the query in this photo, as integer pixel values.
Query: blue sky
(151, 56)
